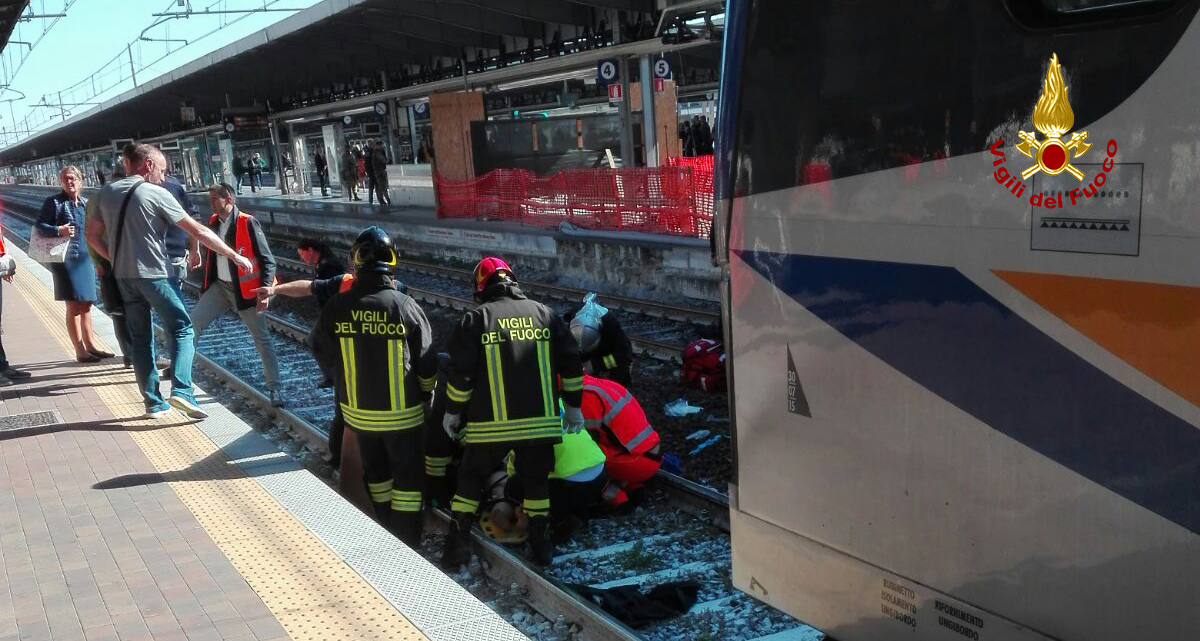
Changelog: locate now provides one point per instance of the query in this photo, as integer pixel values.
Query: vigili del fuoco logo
(1052, 116)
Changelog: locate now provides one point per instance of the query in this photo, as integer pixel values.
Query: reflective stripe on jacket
(244, 244)
(377, 341)
(506, 357)
(612, 410)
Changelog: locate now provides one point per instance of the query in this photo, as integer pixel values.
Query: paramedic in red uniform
(616, 421)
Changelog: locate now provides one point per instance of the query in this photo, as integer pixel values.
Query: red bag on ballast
(704, 365)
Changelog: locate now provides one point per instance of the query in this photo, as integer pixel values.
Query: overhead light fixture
(578, 74)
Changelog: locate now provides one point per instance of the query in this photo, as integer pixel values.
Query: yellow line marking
(312, 592)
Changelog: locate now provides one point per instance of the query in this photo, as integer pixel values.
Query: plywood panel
(451, 116)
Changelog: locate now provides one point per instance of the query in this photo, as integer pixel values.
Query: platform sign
(614, 93)
(607, 71)
(662, 68)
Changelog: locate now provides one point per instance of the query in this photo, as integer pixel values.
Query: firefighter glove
(572, 420)
(452, 423)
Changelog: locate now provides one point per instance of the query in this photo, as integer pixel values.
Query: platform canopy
(335, 42)
(10, 14)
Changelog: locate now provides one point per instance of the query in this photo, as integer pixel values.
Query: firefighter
(604, 348)
(618, 424)
(440, 449)
(376, 341)
(508, 359)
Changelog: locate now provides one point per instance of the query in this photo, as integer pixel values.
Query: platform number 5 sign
(662, 69)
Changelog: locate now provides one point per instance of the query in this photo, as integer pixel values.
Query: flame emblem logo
(1053, 117)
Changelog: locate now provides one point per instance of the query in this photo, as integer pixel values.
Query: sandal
(90, 358)
(100, 353)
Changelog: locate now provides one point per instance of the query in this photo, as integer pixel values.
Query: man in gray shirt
(138, 255)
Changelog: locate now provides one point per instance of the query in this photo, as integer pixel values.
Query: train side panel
(959, 414)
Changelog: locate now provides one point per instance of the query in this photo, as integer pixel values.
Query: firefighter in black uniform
(604, 348)
(440, 449)
(376, 341)
(510, 361)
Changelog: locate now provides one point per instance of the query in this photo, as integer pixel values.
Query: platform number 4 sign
(797, 402)
(606, 72)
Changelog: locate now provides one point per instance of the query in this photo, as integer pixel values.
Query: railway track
(679, 535)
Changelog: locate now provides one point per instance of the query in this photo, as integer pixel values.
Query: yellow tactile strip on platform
(312, 593)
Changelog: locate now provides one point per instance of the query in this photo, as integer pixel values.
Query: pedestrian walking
(129, 232)
(63, 215)
(379, 163)
(508, 359)
(229, 288)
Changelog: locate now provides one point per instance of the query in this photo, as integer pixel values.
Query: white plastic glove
(451, 423)
(572, 420)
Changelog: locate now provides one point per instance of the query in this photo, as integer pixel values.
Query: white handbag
(48, 249)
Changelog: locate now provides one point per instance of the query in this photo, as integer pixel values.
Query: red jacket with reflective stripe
(612, 414)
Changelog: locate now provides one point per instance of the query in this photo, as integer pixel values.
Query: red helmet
(486, 269)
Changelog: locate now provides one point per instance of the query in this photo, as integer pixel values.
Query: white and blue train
(962, 242)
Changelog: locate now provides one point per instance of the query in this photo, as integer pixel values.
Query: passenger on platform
(109, 292)
(360, 167)
(348, 172)
(256, 167)
(63, 215)
(322, 170)
(183, 254)
(239, 172)
(379, 163)
(619, 426)
(425, 152)
(506, 360)
(368, 158)
(377, 341)
(8, 266)
(689, 142)
(228, 288)
(138, 213)
(604, 349)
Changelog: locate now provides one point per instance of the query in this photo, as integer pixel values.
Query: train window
(1076, 6)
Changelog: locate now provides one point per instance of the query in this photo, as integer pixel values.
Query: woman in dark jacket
(75, 279)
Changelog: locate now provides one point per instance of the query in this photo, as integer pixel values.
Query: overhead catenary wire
(128, 66)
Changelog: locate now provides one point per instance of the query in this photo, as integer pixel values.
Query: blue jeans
(141, 295)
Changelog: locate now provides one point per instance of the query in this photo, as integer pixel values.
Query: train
(961, 250)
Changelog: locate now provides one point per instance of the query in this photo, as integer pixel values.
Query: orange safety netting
(664, 200)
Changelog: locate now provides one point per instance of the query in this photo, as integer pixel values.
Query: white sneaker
(187, 406)
(157, 411)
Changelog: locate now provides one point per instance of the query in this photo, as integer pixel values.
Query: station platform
(669, 269)
(122, 528)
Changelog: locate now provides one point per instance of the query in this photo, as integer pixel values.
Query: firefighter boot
(457, 550)
(407, 526)
(540, 542)
(383, 512)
